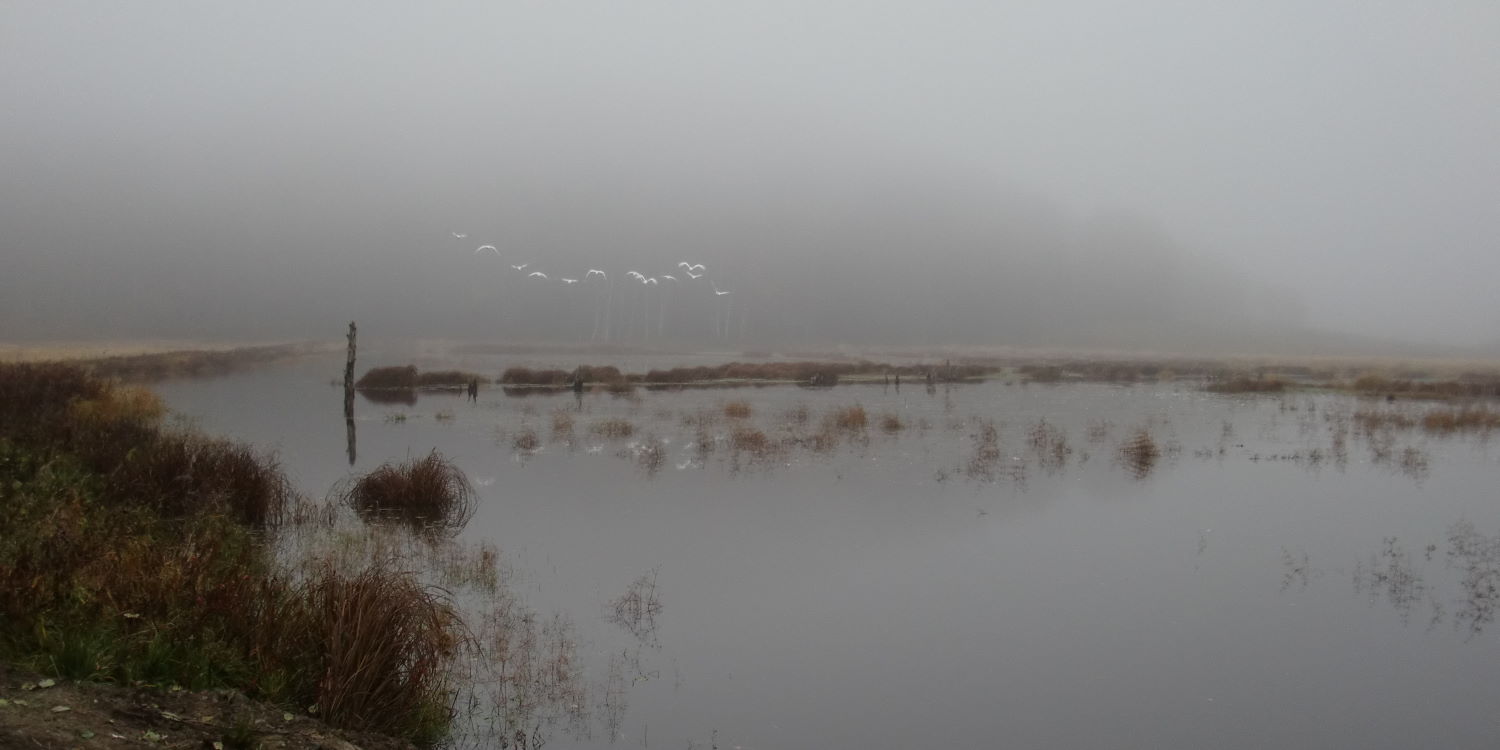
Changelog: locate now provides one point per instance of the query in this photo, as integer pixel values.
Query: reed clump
(984, 461)
(614, 428)
(449, 379)
(891, 423)
(1466, 419)
(388, 378)
(525, 440)
(737, 410)
(528, 376)
(131, 553)
(751, 440)
(1473, 386)
(851, 418)
(1139, 453)
(1370, 420)
(1247, 385)
(428, 492)
(379, 645)
(188, 363)
(562, 424)
(1049, 443)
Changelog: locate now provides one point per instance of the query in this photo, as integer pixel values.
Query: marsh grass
(613, 428)
(562, 425)
(1139, 453)
(737, 410)
(388, 378)
(1479, 419)
(851, 419)
(427, 492)
(636, 609)
(1244, 384)
(379, 645)
(746, 439)
(1485, 385)
(984, 461)
(525, 440)
(188, 363)
(449, 379)
(651, 455)
(1050, 445)
(137, 554)
(891, 423)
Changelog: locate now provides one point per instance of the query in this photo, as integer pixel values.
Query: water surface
(1260, 585)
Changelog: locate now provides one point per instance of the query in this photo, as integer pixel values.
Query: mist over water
(1151, 176)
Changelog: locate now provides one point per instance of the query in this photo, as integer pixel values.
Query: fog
(1154, 175)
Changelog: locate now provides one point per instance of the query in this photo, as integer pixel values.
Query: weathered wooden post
(349, 375)
(349, 394)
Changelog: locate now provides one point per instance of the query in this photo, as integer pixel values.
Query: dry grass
(1470, 386)
(380, 645)
(388, 378)
(449, 379)
(850, 418)
(1465, 419)
(637, 608)
(737, 410)
(178, 474)
(1049, 443)
(132, 554)
(189, 363)
(751, 440)
(1247, 385)
(428, 492)
(1370, 420)
(525, 440)
(891, 423)
(1139, 453)
(651, 455)
(528, 376)
(613, 429)
(985, 460)
(562, 424)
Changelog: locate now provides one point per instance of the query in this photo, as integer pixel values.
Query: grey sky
(1337, 164)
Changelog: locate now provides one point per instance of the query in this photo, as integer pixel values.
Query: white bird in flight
(669, 277)
(569, 281)
(458, 236)
(652, 281)
(636, 275)
(521, 267)
(716, 288)
(593, 271)
(692, 266)
(483, 248)
(692, 275)
(537, 275)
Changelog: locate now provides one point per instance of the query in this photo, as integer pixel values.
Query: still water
(1279, 577)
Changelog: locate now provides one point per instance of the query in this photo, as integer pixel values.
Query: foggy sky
(863, 172)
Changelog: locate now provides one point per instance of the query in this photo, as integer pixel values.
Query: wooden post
(349, 377)
(349, 395)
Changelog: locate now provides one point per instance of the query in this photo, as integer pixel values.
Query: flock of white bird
(602, 318)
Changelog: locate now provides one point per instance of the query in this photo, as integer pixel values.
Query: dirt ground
(38, 713)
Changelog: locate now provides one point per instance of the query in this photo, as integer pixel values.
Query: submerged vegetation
(137, 554)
